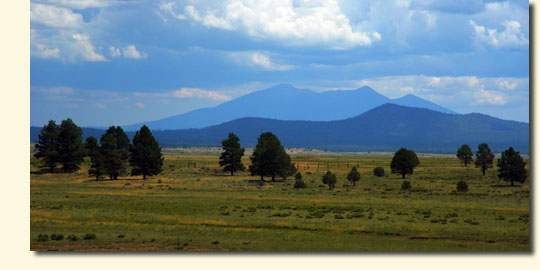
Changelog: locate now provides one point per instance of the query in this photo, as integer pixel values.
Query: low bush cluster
(378, 171)
(462, 186)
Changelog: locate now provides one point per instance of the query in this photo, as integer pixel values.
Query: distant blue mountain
(384, 128)
(285, 102)
(414, 101)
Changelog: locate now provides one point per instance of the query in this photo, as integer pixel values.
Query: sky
(113, 62)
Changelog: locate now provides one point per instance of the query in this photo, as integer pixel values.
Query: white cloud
(128, 52)
(55, 16)
(263, 61)
(506, 84)
(42, 51)
(86, 49)
(114, 52)
(406, 90)
(434, 81)
(185, 93)
(488, 97)
(457, 93)
(258, 60)
(131, 52)
(511, 36)
(319, 23)
(199, 93)
(168, 7)
(139, 104)
(208, 20)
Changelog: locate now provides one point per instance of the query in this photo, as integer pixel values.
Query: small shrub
(355, 215)
(121, 235)
(57, 237)
(308, 173)
(316, 214)
(451, 215)
(462, 186)
(338, 216)
(281, 214)
(299, 184)
(298, 176)
(159, 181)
(73, 237)
(378, 171)
(406, 185)
(89, 236)
(43, 237)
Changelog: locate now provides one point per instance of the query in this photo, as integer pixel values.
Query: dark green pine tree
(353, 176)
(465, 154)
(70, 146)
(231, 157)
(484, 158)
(145, 154)
(47, 146)
(269, 157)
(115, 149)
(404, 162)
(97, 160)
(511, 167)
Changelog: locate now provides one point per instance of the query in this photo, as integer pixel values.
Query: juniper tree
(47, 146)
(484, 158)
(353, 175)
(404, 162)
(329, 179)
(465, 154)
(231, 157)
(145, 154)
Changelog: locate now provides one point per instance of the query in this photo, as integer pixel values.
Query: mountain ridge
(286, 102)
(384, 128)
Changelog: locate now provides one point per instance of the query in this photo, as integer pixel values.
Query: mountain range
(285, 102)
(384, 128)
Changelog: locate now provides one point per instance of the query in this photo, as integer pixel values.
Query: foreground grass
(197, 209)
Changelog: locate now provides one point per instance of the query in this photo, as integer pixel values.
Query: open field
(202, 209)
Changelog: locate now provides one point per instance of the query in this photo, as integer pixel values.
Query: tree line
(269, 159)
(62, 144)
(110, 157)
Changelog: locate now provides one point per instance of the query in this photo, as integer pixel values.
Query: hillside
(385, 128)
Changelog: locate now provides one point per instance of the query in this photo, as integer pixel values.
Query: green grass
(197, 209)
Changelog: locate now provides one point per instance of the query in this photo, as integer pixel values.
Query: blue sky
(108, 62)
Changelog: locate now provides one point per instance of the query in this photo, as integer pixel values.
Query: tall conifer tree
(115, 149)
(47, 146)
(145, 154)
(70, 145)
(231, 157)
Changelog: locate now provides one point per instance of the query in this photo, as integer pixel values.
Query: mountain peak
(365, 87)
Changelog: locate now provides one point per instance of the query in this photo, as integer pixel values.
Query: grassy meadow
(199, 208)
